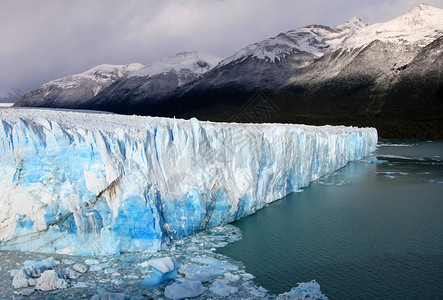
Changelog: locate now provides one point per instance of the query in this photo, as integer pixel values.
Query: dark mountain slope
(416, 96)
(360, 87)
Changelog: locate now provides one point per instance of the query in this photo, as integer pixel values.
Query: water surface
(373, 229)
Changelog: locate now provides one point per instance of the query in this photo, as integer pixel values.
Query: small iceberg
(207, 268)
(31, 270)
(49, 281)
(163, 270)
(304, 290)
(222, 288)
(184, 288)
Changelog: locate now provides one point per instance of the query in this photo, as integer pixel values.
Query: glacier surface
(79, 183)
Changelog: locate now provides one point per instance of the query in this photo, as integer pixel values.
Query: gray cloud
(44, 40)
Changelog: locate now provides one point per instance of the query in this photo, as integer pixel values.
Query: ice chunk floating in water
(304, 290)
(184, 288)
(163, 270)
(82, 183)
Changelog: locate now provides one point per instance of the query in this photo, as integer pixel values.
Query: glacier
(101, 184)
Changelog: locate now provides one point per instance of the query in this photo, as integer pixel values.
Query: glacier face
(82, 183)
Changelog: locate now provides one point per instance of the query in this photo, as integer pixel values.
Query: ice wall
(81, 183)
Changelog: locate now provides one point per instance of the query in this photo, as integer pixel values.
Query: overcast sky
(49, 39)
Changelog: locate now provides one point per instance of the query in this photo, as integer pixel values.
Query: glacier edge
(102, 184)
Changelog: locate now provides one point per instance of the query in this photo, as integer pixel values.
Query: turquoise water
(372, 230)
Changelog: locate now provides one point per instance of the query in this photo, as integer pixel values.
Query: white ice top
(108, 122)
(164, 264)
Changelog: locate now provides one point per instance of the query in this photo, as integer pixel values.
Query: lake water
(372, 230)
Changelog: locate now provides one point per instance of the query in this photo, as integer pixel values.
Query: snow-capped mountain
(269, 63)
(264, 65)
(10, 94)
(75, 89)
(153, 82)
(110, 86)
(344, 74)
(419, 26)
(328, 75)
(314, 39)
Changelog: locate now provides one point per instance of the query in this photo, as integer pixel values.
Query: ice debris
(69, 273)
(111, 296)
(91, 262)
(80, 267)
(31, 270)
(184, 288)
(304, 290)
(50, 280)
(164, 264)
(222, 288)
(80, 285)
(25, 292)
(225, 277)
(208, 268)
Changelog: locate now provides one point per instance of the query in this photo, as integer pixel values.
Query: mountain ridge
(346, 74)
(74, 90)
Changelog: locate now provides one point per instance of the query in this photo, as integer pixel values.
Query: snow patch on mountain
(193, 62)
(420, 26)
(103, 75)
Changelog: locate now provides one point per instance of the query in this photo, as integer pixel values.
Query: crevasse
(81, 183)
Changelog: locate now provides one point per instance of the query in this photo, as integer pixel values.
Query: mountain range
(385, 75)
(10, 94)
